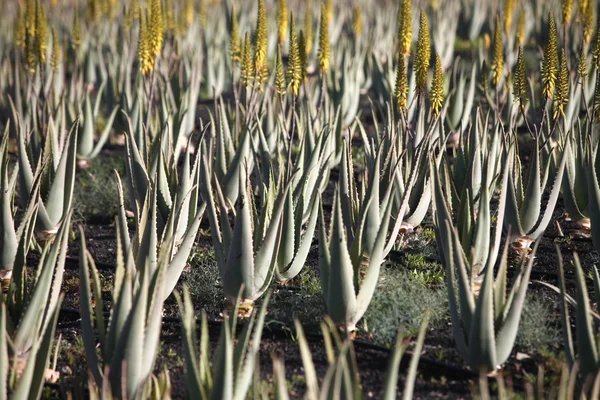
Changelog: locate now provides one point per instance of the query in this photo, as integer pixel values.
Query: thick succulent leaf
(552, 199)
(564, 312)
(414, 361)
(310, 374)
(188, 331)
(223, 384)
(85, 309)
(507, 333)
(8, 236)
(3, 353)
(340, 296)
(482, 341)
(586, 339)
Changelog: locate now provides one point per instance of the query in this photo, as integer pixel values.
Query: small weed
(537, 330)
(399, 302)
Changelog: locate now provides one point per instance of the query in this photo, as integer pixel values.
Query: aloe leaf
(223, 385)
(586, 340)
(391, 373)
(239, 269)
(180, 259)
(507, 333)
(414, 361)
(340, 295)
(148, 244)
(244, 376)
(58, 200)
(564, 312)
(8, 236)
(281, 391)
(86, 139)
(153, 322)
(85, 307)
(43, 353)
(532, 200)
(104, 135)
(552, 199)
(188, 331)
(310, 374)
(3, 353)
(482, 349)
(304, 246)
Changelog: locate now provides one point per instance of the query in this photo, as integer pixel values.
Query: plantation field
(298, 199)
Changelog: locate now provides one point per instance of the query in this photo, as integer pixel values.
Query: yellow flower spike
(280, 84)
(187, 15)
(260, 45)
(294, 72)
(582, 65)
(401, 87)
(234, 39)
(282, 20)
(144, 53)
(76, 34)
(328, 9)
(169, 23)
(19, 34)
(550, 61)
(498, 60)
(30, 17)
(302, 54)
(308, 28)
(30, 53)
(596, 49)
(247, 68)
(567, 10)
(588, 22)
(41, 33)
(520, 81)
(202, 12)
(357, 22)
(155, 28)
(55, 60)
(507, 15)
(436, 94)
(323, 54)
(596, 105)
(562, 87)
(520, 33)
(421, 64)
(404, 27)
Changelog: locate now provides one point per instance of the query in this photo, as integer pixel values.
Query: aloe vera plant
(358, 237)
(28, 317)
(56, 171)
(524, 213)
(129, 339)
(485, 317)
(86, 149)
(14, 243)
(233, 366)
(247, 253)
